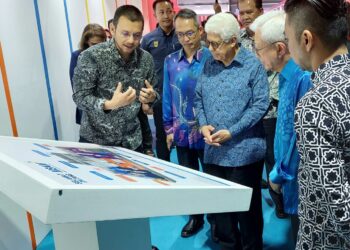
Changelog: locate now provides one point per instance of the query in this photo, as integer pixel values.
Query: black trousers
(189, 158)
(161, 146)
(270, 129)
(146, 130)
(295, 227)
(240, 230)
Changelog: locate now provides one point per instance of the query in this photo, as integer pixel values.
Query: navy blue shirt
(159, 45)
(235, 98)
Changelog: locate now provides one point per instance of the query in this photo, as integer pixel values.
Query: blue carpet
(165, 231)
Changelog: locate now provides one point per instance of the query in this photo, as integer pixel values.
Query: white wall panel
(77, 20)
(96, 12)
(56, 43)
(5, 124)
(21, 49)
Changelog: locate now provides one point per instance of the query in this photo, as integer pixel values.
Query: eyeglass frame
(260, 49)
(216, 46)
(181, 35)
(136, 36)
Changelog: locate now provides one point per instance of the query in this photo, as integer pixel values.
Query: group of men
(216, 103)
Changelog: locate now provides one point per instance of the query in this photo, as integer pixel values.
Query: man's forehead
(163, 5)
(246, 4)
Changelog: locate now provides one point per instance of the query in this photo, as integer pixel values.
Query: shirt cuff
(275, 175)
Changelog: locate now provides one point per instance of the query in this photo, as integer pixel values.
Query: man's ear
(307, 40)
(282, 49)
(112, 28)
(234, 42)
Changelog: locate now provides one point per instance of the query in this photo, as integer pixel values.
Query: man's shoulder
(151, 35)
(101, 49)
(248, 56)
(144, 55)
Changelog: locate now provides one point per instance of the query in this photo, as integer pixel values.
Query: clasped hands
(121, 99)
(215, 139)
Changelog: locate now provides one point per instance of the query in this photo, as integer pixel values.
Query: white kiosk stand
(101, 197)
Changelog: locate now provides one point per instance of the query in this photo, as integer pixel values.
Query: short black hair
(325, 18)
(187, 14)
(154, 5)
(258, 3)
(130, 12)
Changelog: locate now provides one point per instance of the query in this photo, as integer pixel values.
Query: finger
(128, 92)
(119, 87)
(133, 94)
(148, 85)
(216, 136)
(147, 91)
(143, 94)
(211, 128)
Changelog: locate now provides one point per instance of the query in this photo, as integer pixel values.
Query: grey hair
(271, 26)
(223, 24)
(187, 14)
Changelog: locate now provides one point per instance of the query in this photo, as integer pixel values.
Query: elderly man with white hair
(232, 97)
(271, 48)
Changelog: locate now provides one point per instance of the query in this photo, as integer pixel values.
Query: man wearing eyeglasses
(111, 81)
(232, 97)
(272, 50)
(160, 43)
(181, 71)
(249, 10)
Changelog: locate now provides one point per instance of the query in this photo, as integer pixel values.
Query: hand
(120, 99)
(147, 94)
(206, 132)
(147, 109)
(275, 187)
(169, 140)
(220, 137)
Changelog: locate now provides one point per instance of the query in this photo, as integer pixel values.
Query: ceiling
(205, 7)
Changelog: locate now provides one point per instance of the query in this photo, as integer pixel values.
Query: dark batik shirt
(96, 76)
(322, 123)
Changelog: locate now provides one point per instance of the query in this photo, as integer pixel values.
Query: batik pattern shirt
(234, 98)
(322, 123)
(180, 80)
(95, 79)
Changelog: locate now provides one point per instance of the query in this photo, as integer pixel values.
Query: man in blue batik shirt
(293, 84)
(160, 43)
(232, 97)
(181, 71)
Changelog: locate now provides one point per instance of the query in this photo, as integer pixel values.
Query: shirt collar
(197, 56)
(238, 58)
(162, 32)
(336, 62)
(118, 57)
(288, 70)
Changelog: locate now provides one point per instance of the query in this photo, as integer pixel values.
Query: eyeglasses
(189, 34)
(137, 36)
(215, 45)
(257, 50)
